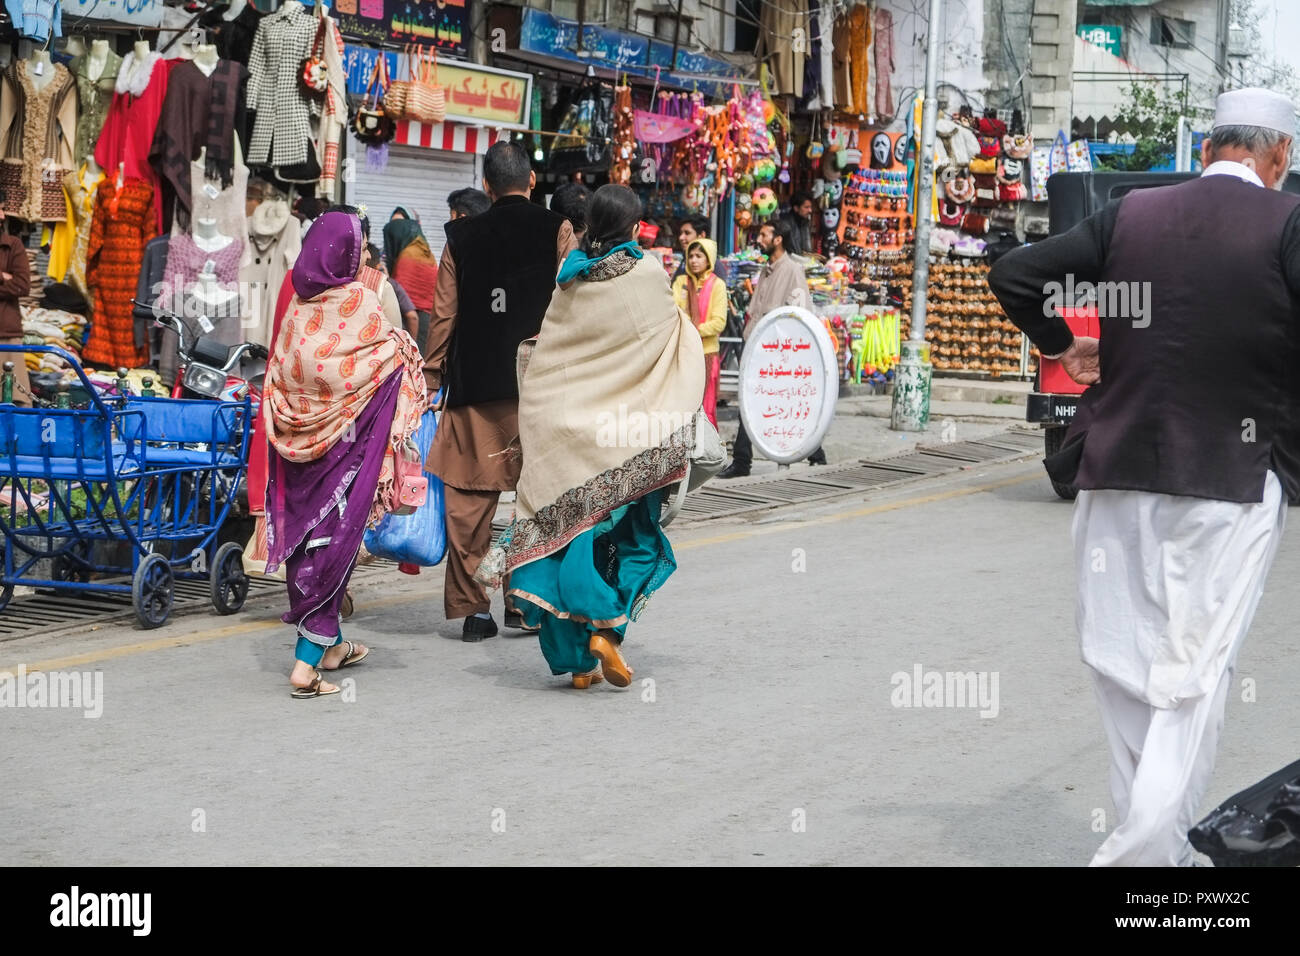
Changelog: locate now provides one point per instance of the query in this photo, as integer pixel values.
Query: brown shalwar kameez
(469, 453)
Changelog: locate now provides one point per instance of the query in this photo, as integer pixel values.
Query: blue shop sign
(541, 32)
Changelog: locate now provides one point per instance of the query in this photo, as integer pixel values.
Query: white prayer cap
(1255, 107)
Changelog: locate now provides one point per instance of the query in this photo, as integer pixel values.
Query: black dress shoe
(478, 628)
(515, 621)
(734, 470)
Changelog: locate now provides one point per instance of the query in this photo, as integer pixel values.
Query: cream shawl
(606, 405)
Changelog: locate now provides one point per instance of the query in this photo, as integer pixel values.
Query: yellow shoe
(583, 681)
(612, 665)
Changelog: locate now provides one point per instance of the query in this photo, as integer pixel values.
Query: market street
(768, 736)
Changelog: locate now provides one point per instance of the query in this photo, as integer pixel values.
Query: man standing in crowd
(494, 285)
(570, 201)
(1184, 487)
(782, 282)
(801, 231)
(467, 202)
(15, 282)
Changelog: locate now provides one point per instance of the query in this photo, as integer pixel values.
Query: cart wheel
(6, 594)
(66, 568)
(151, 591)
(1053, 439)
(229, 583)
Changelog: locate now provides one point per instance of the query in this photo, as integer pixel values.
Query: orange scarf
(332, 355)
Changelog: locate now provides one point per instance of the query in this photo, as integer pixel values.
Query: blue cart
(122, 496)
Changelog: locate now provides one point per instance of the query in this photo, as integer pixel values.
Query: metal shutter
(416, 178)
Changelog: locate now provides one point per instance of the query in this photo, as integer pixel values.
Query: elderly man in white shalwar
(1186, 448)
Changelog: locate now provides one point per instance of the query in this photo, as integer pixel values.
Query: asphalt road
(769, 733)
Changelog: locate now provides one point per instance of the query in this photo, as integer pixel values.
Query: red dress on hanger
(132, 120)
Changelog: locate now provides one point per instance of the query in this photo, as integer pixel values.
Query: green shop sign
(1105, 36)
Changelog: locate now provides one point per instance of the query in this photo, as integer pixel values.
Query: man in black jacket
(1184, 447)
(494, 284)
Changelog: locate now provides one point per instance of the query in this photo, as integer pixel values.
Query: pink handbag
(412, 485)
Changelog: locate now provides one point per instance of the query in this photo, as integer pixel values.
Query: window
(746, 20)
(1168, 32)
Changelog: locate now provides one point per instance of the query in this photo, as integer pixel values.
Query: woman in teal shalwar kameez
(606, 412)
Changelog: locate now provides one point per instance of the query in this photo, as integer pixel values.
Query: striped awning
(453, 137)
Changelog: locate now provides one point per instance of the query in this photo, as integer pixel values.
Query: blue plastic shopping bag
(419, 538)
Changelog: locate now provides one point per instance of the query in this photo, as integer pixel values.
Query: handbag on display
(1078, 157)
(420, 98)
(313, 78)
(588, 120)
(983, 165)
(426, 101)
(960, 189)
(1017, 147)
(370, 122)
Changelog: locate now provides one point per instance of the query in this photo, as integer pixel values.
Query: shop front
(424, 161)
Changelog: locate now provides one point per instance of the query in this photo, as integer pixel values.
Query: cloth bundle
(41, 326)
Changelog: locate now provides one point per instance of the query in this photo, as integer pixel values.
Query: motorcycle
(207, 368)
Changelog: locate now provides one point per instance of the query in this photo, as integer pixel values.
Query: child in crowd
(703, 296)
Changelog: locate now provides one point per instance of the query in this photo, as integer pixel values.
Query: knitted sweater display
(125, 220)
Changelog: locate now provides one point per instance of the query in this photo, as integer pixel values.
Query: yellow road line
(857, 513)
(266, 624)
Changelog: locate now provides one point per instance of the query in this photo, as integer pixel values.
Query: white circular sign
(789, 383)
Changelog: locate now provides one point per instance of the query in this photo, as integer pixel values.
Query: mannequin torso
(208, 238)
(139, 59)
(41, 70)
(205, 58)
(97, 59)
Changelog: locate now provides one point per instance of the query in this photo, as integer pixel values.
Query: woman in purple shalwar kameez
(344, 394)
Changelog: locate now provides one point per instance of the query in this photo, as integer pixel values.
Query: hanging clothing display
(334, 112)
(199, 117)
(35, 19)
(884, 43)
(233, 38)
(274, 241)
(825, 22)
(228, 205)
(124, 221)
(282, 126)
(784, 57)
(860, 71)
(81, 188)
(128, 131)
(199, 282)
(841, 60)
(94, 95)
(59, 237)
(37, 126)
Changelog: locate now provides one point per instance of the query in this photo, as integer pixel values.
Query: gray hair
(1253, 139)
(1256, 140)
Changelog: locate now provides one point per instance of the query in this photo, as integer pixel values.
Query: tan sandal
(313, 690)
(612, 665)
(583, 681)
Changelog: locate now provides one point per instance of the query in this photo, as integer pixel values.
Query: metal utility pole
(910, 411)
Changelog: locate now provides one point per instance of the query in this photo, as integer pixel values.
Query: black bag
(589, 125)
(1258, 827)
